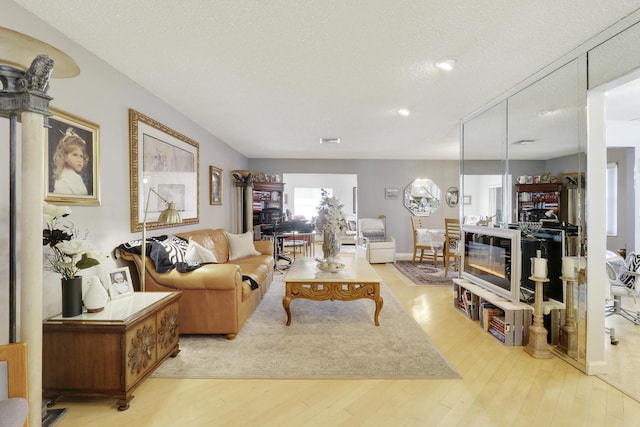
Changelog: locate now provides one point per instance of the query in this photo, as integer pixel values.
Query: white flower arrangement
(330, 217)
(68, 253)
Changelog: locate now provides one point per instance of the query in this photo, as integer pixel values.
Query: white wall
(373, 177)
(102, 95)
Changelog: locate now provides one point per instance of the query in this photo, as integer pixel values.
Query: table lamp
(168, 216)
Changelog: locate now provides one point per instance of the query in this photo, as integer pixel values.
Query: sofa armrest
(208, 276)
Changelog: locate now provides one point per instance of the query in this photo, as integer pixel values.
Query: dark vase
(72, 297)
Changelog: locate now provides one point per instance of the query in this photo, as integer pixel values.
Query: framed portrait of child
(120, 285)
(71, 160)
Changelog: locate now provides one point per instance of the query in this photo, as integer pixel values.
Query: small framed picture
(216, 182)
(120, 285)
(536, 179)
(545, 178)
(391, 193)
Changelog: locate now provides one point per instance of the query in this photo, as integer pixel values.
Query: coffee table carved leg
(379, 304)
(286, 301)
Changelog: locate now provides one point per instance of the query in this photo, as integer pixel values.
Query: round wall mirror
(422, 197)
(452, 197)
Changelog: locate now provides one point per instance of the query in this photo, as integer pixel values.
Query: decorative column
(243, 181)
(23, 96)
(568, 340)
(572, 269)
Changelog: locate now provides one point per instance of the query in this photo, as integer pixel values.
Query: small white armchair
(373, 243)
(624, 283)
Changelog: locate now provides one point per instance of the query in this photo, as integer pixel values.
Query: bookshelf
(267, 202)
(530, 197)
(505, 320)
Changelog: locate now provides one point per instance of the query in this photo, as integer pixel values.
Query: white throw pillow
(197, 254)
(241, 245)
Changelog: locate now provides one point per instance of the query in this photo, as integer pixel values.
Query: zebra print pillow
(633, 264)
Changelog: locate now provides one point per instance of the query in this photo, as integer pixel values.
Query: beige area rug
(328, 340)
(424, 273)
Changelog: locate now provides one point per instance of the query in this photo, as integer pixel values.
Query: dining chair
(451, 243)
(425, 239)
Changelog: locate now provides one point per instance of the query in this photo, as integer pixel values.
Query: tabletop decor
(68, 253)
(330, 222)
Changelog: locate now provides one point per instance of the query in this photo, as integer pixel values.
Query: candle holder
(528, 228)
(537, 346)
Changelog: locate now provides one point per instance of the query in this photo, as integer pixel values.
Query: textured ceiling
(271, 78)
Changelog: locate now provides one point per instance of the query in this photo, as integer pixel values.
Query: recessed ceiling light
(446, 64)
(329, 140)
(404, 112)
(543, 113)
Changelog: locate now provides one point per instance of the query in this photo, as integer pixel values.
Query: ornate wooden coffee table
(356, 281)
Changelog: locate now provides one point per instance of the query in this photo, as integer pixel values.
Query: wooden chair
(451, 242)
(14, 410)
(424, 240)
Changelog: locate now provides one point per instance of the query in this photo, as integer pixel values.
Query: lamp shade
(18, 50)
(170, 215)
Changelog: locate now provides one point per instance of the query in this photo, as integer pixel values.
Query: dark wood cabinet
(110, 353)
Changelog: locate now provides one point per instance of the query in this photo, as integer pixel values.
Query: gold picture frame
(216, 185)
(69, 181)
(167, 162)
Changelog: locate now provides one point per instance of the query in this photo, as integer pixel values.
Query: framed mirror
(422, 197)
(452, 197)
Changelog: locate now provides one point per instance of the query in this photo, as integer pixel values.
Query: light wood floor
(501, 386)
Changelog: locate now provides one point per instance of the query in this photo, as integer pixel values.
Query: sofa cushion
(241, 245)
(374, 236)
(13, 411)
(221, 244)
(198, 254)
(371, 225)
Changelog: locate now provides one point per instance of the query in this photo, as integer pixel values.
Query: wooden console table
(110, 353)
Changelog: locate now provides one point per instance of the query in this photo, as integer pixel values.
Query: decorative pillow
(374, 236)
(241, 245)
(197, 254)
(632, 264)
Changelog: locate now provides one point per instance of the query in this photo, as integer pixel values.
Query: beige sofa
(215, 299)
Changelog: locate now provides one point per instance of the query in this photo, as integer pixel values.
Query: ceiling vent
(329, 140)
(524, 142)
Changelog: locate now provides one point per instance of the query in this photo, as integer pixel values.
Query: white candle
(570, 267)
(539, 267)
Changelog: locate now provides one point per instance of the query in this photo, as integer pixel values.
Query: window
(611, 213)
(306, 200)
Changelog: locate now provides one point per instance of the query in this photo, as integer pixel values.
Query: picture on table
(120, 283)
